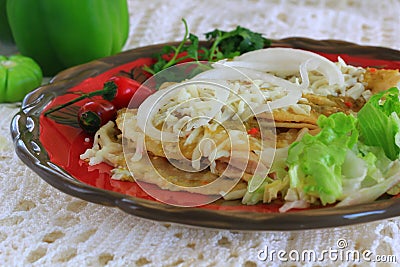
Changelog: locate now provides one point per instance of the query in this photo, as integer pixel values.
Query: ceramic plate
(51, 147)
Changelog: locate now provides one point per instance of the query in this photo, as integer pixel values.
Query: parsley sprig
(223, 44)
(234, 43)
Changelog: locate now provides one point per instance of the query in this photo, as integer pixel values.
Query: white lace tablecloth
(42, 226)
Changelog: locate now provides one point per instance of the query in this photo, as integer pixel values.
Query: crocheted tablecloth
(42, 226)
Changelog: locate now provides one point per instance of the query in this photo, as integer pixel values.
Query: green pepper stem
(108, 93)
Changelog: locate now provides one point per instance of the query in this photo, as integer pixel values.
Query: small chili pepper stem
(109, 90)
(90, 121)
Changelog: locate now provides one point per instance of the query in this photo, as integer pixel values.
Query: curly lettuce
(315, 162)
(379, 123)
(352, 160)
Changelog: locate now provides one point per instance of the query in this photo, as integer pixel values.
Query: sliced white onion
(148, 109)
(228, 73)
(156, 101)
(221, 96)
(221, 74)
(305, 81)
(281, 59)
(140, 139)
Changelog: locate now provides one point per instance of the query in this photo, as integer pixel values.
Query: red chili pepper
(371, 69)
(126, 91)
(348, 104)
(119, 90)
(94, 114)
(254, 132)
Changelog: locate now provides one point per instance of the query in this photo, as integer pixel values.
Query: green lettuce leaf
(371, 193)
(380, 167)
(395, 190)
(315, 162)
(268, 189)
(379, 123)
(253, 197)
(354, 171)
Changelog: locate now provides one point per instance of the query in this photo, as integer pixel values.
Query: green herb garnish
(234, 43)
(222, 45)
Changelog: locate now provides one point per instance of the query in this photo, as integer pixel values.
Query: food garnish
(118, 90)
(380, 122)
(223, 45)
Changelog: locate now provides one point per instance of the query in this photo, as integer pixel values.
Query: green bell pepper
(6, 37)
(18, 76)
(62, 33)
